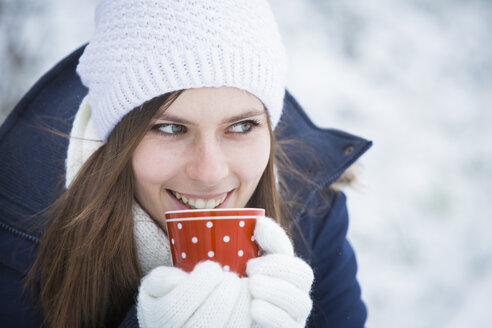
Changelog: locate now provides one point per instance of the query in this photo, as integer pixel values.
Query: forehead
(214, 102)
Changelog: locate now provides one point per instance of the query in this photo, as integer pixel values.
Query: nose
(208, 162)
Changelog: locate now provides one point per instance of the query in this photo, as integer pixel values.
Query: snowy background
(415, 77)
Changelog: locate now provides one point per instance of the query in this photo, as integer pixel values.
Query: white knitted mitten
(279, 282)
(205, 297)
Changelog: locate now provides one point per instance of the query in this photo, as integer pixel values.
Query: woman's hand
(275, 294)
(205, 297)
(279, 282)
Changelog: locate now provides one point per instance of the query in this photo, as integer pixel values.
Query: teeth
(198, 202)
(210, 203)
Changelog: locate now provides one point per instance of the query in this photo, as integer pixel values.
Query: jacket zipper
(18, 233)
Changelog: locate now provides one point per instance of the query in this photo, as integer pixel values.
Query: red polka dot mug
(221, 235)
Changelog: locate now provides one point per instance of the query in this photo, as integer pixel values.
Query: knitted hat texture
(142, 49)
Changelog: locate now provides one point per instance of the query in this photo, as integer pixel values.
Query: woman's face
(208, 150)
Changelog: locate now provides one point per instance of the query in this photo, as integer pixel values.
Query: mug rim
(194, 210)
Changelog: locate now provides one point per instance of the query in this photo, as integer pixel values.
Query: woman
(183, 97)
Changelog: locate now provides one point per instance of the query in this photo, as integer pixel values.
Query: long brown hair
(89, 273)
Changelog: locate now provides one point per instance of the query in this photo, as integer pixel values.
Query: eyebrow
(235, 118)
(245, 115)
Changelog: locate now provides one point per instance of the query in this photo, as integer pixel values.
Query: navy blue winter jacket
(31, 177)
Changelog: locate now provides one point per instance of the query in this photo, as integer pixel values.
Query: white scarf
(152, 243)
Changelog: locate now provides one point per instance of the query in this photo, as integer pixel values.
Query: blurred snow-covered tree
(35, 35)
(21, 38)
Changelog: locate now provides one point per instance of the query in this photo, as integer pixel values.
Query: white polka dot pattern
(228, 241)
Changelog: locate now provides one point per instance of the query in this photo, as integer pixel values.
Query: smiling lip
(197, 201)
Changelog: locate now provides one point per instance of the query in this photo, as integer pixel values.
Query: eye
(243, 127)
(170, 129)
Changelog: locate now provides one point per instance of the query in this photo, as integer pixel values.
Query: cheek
(252, 160)
(151, 165)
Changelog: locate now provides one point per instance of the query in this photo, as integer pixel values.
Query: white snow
(413, 76)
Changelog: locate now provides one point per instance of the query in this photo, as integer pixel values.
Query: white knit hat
(143, 49)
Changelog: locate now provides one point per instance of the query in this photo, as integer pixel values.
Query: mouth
(195, 202)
